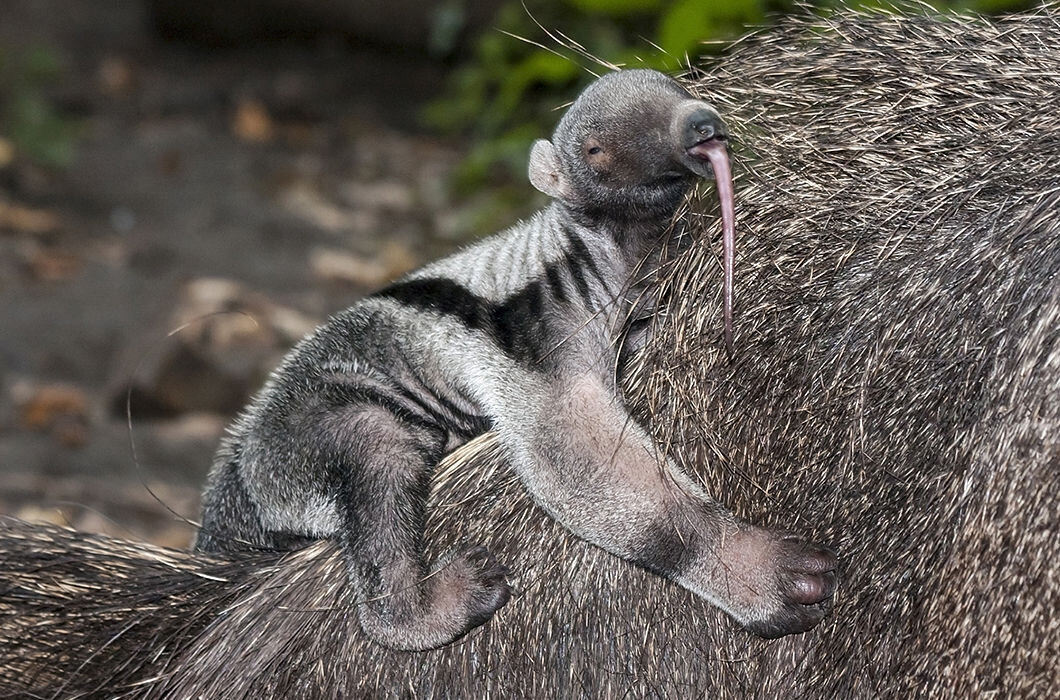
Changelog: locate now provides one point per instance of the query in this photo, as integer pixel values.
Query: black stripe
(446, 412)
(517, 324)
(441, 296)
(581, 254)
(575, 270)
(663, 551)
(412, 386)
(555, 282)
(345, 395)
(474, 422)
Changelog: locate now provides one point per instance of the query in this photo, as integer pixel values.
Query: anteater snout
(702, 124)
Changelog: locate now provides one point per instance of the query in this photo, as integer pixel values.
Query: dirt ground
(274, 185)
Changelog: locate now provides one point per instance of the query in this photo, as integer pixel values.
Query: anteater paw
(806, 582)
(484, 581)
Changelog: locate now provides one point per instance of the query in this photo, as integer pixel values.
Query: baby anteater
(519, 334)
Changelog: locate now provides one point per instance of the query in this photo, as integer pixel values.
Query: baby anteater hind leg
(385, 482)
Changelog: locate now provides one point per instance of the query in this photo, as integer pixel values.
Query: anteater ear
(545, 173)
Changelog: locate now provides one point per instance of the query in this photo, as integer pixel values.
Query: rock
(104, 505)
(38, 514)
(220, 343)
(303, 200)
(340, 266)
(332, 265)
(392, 196)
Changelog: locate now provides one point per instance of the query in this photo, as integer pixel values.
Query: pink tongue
(719, 161)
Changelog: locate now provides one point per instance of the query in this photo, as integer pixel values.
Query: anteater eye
(594, 150)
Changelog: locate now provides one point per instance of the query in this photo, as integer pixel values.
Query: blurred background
(188, 186)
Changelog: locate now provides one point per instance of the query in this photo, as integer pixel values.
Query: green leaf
(615, 8)
(41, 64)
(539, 68)
(39, 132)
(688, 23)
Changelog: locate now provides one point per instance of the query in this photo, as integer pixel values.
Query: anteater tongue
(719, 162)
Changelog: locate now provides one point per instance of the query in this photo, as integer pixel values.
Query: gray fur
(519, 334)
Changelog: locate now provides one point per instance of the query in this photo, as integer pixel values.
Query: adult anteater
(895, 392)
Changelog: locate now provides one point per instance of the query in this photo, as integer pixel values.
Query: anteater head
(629, 147)
(628, 150)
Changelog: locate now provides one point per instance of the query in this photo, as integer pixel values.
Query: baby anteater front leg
(596, 471)
(406, 604)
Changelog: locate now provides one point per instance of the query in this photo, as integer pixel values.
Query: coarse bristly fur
(896, 392)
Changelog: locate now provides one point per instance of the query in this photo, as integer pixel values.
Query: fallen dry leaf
(252, 122)
(7, 152)
(58, 408)
(48, 401)
(20, 219)
(332, 265)
(49, 265)
(115, 75)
